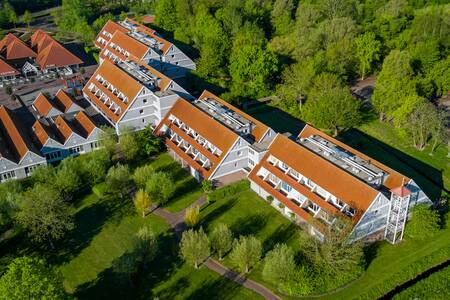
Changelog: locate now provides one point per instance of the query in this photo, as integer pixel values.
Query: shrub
(281, 205)
(269, 199)
(192, 216)
(142, 174)
(424, 222)
(160, 187)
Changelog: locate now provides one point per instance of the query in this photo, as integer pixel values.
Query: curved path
(176, 221)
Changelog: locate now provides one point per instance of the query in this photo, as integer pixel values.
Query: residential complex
(42, 55)
(66, 135)
(132, 95)
(18, 155)
(129, 40)
(62, 103)
(316, 178)
(213, 139)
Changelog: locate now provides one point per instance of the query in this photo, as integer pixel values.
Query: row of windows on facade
(13, 175)
(340, 204)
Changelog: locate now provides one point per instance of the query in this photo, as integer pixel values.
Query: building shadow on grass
(281, 235)
(217, 212)
(250, 225)
(427, 177)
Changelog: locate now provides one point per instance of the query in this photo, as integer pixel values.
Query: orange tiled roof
(6, 69)
(260, 128)
(63, 100)
(64, 128)
(136, 49)
(14, 144)
(324, 173)
(11, 47)
(85, 123)
(111, 27)
(395, 179)
(43, 133)
(121, 80)
(42, 105)
(210, 129)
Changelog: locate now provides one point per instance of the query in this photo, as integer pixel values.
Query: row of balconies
(101, 96)
(187, 148)
(197, 137)
(315, 188)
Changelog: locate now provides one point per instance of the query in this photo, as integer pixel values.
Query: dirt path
(176, 221)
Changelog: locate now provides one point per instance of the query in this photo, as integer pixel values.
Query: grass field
(436, 286)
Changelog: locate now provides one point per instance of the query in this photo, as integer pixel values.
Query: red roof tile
(11, 47)
(7, 70)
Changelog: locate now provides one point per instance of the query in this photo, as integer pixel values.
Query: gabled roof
(43, 105)
(121, 80)
(136, 49)
(85, 125)
(111, 27)
(153, 33)
(210, 129)
(63, 101)
(43, 133)
(11, 47)
(14, 142)
(51, 53)
(395, 179)
(258, 131)
(7, 70)
(63, 128)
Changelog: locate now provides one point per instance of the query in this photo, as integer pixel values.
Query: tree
(192, 216)
(246, 252)
(27, 18)
(101, 21)
(194, 247)
(128, 144)
(12, 15)
(331, 106)
(108, 139)
(142, 202)
(147, 243)
(424, 222)
(31, 278)
(394, 83)
(207, 187)
(142, 174)
(221, 239)
(166, 14)
(44, 214)
(367, 52)
(160, 187)
(282, 16)
(279, 264)
(9, 192)
(422, 123)
(117, 179)
(148, 142)
(251, 68)
(95, 165)
(68, 178)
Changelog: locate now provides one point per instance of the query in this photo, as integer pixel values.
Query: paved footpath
(176, 221)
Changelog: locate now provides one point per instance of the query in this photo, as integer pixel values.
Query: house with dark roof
(66, 135)
(130, 40)
(18, 155)
(213, 139)
(132, 95)
(317, 179)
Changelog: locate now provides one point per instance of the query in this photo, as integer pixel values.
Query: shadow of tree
(215, 290)
(217, 212)
(281, 235)
(250, 225)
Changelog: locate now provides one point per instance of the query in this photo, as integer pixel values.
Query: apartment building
(130, 40)
(18, 156)
(66, 135)
(60, 104)
(213, 139)
(131, 95)
(316, 179)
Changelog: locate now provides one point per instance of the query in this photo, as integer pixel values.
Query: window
(251, 162)
(235, 165)
(286, 187)
(144, 101)
(239, 153)
(143, 120)
(76, 150)
(141, 111)
(251, 151)
(53, 155)
(95, 145)
(29, 170)
(7, 175)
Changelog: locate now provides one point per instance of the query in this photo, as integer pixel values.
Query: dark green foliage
(149, 144)
(160, 187)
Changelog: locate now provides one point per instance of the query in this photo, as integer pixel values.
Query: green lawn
(247, 214)
(393, 265)
(436, 286)
(187, 188)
